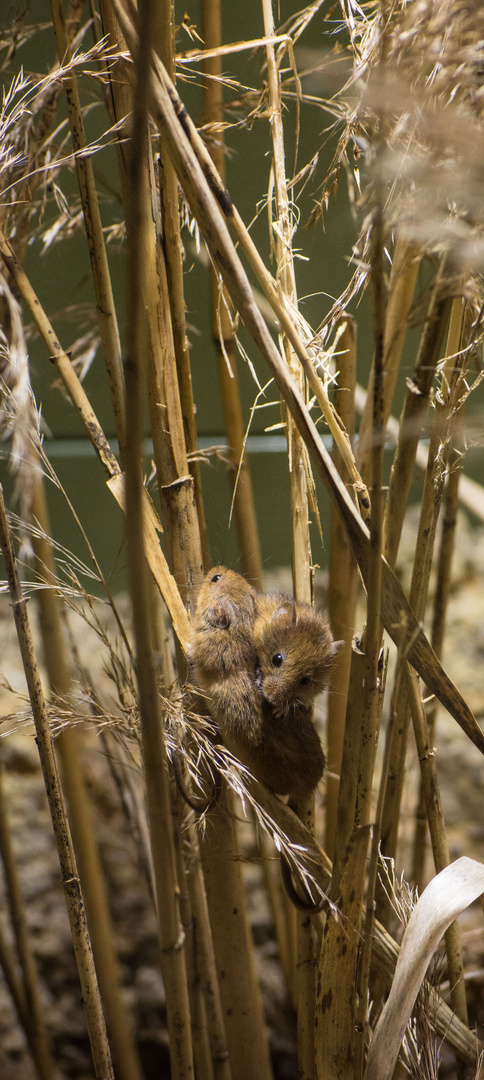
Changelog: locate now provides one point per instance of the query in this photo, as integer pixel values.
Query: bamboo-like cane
(222, 328)
(239, 989)
(341, 592)
(413, 411)
(438, 835)
(105, 309)
(70, 880)
(34, 1024)
(400, 294)
(430, 506)
(70, 746)
(206, 963)
(153, 747)
(441, 599)
(299, 480)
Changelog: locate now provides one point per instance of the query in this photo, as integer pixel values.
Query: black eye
(276, 660)
(305, 680)
(216, 577)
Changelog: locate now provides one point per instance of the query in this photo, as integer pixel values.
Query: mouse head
(295, 649)
(226, 598)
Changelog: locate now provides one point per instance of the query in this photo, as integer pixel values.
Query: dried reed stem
(300, 483)
(430, 507)
(70, 880)
(70, 746)
(413, 412)
(33, 1022)
(440, 849)
(239, 989)
(222, 327)
(153, 746)
(401, 288)
(341, 590)
(105, 309)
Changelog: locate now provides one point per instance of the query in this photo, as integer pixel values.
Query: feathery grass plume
(19, 419)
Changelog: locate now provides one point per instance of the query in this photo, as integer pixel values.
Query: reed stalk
(440, 849)
(206, 962)
(413, 411)
(341, 590)
(223, 333)
(33, 1023)
(70, 749)
(401, 288)
(300, 485)
(430, 507)
(105, 309)
(171, 935)
(70, 879)
(239, 990)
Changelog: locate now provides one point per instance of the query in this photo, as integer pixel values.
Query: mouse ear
(222, 613)
(285, 615)
(336, 648)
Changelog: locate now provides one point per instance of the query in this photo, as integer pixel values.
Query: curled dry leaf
(447, 895)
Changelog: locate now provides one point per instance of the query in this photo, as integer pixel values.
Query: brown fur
(279, 745)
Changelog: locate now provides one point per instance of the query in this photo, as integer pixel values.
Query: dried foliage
(400, 86)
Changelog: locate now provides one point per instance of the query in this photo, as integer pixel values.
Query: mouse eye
(216, 577)
(305, 680)
(276, 660)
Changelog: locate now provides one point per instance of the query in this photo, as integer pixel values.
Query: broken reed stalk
(300, 483)
(171, 934)
(223, 332)
(33, 1022)
(342, 581)
(70, 748)
(105, 309)
(70, 879)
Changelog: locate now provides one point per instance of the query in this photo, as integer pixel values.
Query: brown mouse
(283, 751)
(295, 649)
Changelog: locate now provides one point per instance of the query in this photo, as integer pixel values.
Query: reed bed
(399, 87)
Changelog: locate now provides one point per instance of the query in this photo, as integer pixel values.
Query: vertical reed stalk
(416, 402)
(153, 747)
(70, 880)
(438, 836)
(430, 507)
(105, 309)
(341, 591)
(70, 746)
(299, 472)
(239, 989)
(401, 288)
(35, 1028)
(222, 327)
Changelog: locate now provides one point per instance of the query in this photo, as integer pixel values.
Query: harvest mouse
(295, 650)
(283, 750)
